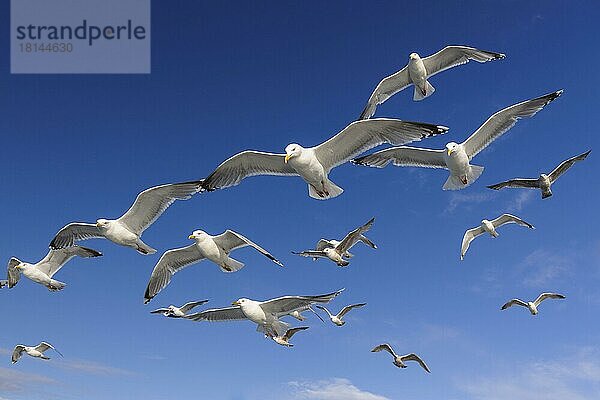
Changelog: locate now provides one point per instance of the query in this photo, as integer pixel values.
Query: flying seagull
(178, 312)
(265, 314)
(284, 340)
(420, 69)
(43, 271)
(456, 157)
(332, 243)
(399, 360)
(127, 229)
(340, 250)
(37, 351)
(337, 319)
(298, 315)
(544, 182)
(532, 306)
(489, 227)
(3, 282)
(313, 164)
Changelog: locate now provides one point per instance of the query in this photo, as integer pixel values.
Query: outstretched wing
(503, 120)
(55, 259)
(311, 253)
(510, 219)
(230, 240)
(218, 314)
(353, 237)
(384, 347)
(346, 309)
(404, 156)
(513, 302)
(452, 56)
(159, 311)
(286, 304)
(414, 357)
(13, 274)
(388, 87)
(74, 232)
(565, 165)
(43, 346)
(517, 183)
(468, 238)
(323, 244)
(188, 306)
(545, 296)
(17, 352)
(292, 331)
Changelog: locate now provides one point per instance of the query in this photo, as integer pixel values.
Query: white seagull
(337, 319)
(457, 157)
(33, 351)
(532, 306)
(313, 164)
(284, 340)
(127, 229)
(420, 69)
(3, 282)
(340, 250)
(265, 314)
(489, 227)
(544, 182)
(298, 315)
(332, 243)
(399, 360)
(43, 271)
(213, 248)
(178, 312)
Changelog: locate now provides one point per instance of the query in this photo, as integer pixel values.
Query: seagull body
(43, 271)
(265, 314)
(178, 312)
(332, 243)
(419, 70)
(33, 351)
(213, 248)
(544, 182)
(313, 164)
(532, 306)
(284, 340)
(490, 227)
(337, 319)
(399, 360)
(127, 230)
(456, 157)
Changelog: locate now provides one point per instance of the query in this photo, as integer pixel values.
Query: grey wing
(74, 232)
(346, 309)
(55, 259)
(17, 352)
(292, 331)
(43, 346)
(286, 304)
(545, 296)
(452, 56)
(159, 311)
(188, 306)
(565, 165)
(508, 219)
(245, 164)
(517, 183)
(503, 120)
(323, 244)
(513, 302)
(218, 314)
(230, 240)
(388, 87)
(171, 262)
(353, 237)
(311, 253)
(152, 202)
(384, 347)
(361, 136)
(468, 238)
(13, 273)
(414, 357)
(404, 157)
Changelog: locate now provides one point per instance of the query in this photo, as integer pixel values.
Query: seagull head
(413, 56)
(197, 234)
(292, 150)
(102, 223)
(451, 147)
(240, 302)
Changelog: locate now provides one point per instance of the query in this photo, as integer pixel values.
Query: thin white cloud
(331, 389)
(93, 368)
(467, 200)
(544, 267)
(521, 200)
(15, 381)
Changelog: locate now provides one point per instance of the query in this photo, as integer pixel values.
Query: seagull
(3, 283)
(265, 314)
(284, 340)
(337, 253)
(544, 182)
(127, 229)
(332, 243)
(532, 306)
(489, 227)
(298, 315)
(43, 271)
(337, 319)
(399, 360)
(178, 312)
(456, 157)
(214, 248)
(313, 164)
(420, 69)
(37, 351)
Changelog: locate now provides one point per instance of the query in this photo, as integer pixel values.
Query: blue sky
(226, 78)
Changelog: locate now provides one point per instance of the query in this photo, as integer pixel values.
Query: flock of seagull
(313, 165)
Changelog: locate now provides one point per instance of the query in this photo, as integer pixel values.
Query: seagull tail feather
(419, 95)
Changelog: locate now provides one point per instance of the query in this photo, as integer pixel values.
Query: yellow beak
(235, 303)
(287, 157)
(191, 237)
(449, 151)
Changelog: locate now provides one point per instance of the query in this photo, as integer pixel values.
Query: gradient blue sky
(238, 76)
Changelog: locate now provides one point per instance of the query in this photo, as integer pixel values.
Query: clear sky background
(238, 76)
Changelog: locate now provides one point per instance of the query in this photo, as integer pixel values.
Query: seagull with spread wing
(489, 227)
(340, 250)
(284, 340)
(33, 351)
(544, 182)
(127, 229)
(43, 271)
(337, 319)
(265, 314)
(332, 243)
(419, 70)
(532, 306)
(3, 282)
(213, 248)
(399, 360)
(313, 164)
(178, 312)
(456, 157)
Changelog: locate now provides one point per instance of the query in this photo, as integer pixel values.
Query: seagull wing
(346, 309)
(452, 56)
(17, 353)
(311, 253)
(55, 259)
(565, 165)
(509, 219)
(160, 311)
(353, 237)
(171, 262)
(291, 332)
(188, 306)
(513, 302)
(517, 183)
(74, 232)
(468, 238)
(230, 240)
(323, 244)
(503, 120)
(361, 136)
(388, 87)
(404, 156)
(13, 274)
(414, 357)
(218, 314)
(545, 296)
(286, 304)
(367, 241)
(152, 202)
(385, 347)
(43, 346)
